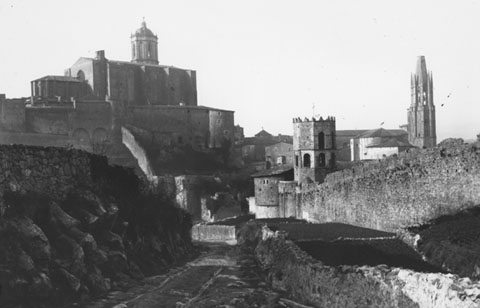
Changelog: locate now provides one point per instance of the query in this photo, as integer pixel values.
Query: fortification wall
(49, 170)
(12, 114)
(400, 191)
(221, 128)
(309, 281)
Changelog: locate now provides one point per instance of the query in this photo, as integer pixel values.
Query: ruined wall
(189, 192)
(309, 281)
(398, 192)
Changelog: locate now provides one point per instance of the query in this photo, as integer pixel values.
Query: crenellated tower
(144, 46)
(313, 148)
(421, 114)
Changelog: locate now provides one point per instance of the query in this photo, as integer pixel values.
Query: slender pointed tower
(421, 114)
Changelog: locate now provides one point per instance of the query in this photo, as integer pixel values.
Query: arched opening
(306, 160)
(81, 75)
(81, 135)
(100, 135)
(321, 140)
(321, 160)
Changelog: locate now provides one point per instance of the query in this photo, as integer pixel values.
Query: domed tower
(313, 149)
(144, 46)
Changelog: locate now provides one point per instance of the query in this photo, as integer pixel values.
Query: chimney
(100, 55)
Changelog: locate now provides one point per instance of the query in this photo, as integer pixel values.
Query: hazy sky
(273, 60)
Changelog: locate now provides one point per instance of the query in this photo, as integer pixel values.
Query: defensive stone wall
(397, 192)
(49, 170)
(71, 227)
(309, 281)
(12, 114)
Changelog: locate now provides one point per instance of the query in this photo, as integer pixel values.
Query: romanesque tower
(313, 148)
(144, 46)
(421, 114)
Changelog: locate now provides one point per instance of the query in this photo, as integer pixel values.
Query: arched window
(296, 160)
(321, 160)
(306, 160)
(321, 140)
(80, 75)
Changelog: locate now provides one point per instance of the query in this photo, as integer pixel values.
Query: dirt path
(223, 276)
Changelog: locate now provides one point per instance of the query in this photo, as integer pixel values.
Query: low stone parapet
(214, 233)
(311, 282)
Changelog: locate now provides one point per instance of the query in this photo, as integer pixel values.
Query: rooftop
(59, 78)
(381, 132)
(282, 169)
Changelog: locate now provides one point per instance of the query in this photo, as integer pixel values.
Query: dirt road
(222, 276)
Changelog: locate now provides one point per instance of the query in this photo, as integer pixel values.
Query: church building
(98, 99)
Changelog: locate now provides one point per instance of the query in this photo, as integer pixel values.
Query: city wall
(397, 192)
(45, 170)
(311, 282)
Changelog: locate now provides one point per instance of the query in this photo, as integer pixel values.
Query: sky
(270, 60)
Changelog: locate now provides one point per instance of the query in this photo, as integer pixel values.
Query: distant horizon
(270, 61)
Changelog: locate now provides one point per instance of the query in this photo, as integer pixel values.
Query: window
(296, 160)
(321, 141)
(306, 160)
(321, 160)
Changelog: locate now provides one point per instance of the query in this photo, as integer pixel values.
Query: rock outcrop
(74, 227)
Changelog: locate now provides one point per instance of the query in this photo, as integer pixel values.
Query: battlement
(321, 119)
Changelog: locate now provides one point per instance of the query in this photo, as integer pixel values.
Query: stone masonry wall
(400, 191)
(49, 170)
(309, 281)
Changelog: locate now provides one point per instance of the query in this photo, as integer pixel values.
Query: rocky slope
(77, 233)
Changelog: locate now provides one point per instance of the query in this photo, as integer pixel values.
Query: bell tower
(144, 46)
(421, 114)
(313, 149)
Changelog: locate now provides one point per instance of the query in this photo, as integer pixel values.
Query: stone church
(100, 100)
